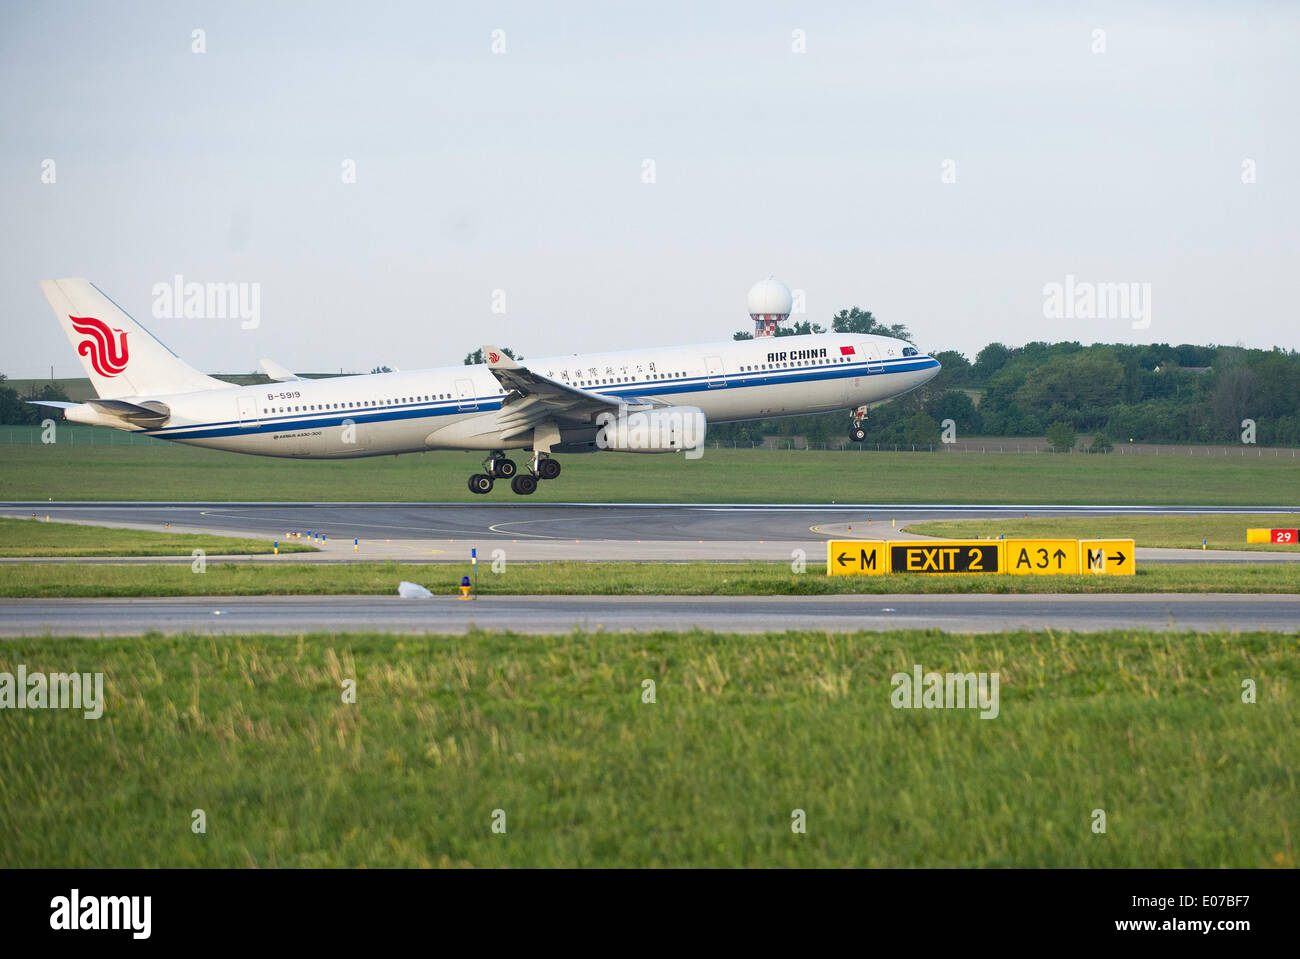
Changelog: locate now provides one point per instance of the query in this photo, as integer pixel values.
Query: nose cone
(933, 371)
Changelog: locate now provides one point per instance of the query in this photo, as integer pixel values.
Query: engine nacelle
(669, 429)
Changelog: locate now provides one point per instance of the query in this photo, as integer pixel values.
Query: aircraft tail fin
(119, 355)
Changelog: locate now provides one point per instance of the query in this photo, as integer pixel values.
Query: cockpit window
(909, 351)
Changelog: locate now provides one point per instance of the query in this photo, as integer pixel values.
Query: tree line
(16, 411)
(1155, 393)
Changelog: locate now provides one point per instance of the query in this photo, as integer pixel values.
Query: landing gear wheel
(480, 483)
(857, 434)
(548, 469)
(524, 484)
(498, 467)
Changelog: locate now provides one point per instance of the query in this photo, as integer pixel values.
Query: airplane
(642, 401)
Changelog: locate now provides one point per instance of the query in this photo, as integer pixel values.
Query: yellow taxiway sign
(946, 556)
(1107, 557)
(1024, 557)
(856, 557)
(1042, 557)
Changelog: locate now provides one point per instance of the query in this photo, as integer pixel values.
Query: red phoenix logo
(108, 353)
(494, 357)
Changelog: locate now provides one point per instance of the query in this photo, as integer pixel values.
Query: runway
(560, 614)
(623, 531)
(589, 531)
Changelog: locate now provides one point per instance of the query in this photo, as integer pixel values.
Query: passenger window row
(356, 405)
(607, 381)
(787, 365)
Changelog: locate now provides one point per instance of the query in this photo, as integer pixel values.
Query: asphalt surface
(443, 532)
(597, 531)
(563, 521)
(558, 614)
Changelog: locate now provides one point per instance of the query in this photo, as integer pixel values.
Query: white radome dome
(770, 297)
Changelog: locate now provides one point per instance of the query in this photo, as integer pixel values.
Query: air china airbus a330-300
(636, 401)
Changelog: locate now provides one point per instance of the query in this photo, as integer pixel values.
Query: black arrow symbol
(1117, 559)
(841, 560)
(1060, 557)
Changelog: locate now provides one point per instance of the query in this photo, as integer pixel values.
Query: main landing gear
(548, 468)
(497, 467)
(858, 433)
(525, 484)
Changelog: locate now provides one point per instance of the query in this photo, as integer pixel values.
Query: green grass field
(745, 730)
(26, 537)
(65, 471)
(1220, 531)
(609, 579)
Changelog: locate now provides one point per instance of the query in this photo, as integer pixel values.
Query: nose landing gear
(857, 433)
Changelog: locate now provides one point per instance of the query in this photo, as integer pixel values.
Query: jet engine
(666, 429)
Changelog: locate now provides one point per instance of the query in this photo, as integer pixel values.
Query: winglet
(497, 359)
(278, 373)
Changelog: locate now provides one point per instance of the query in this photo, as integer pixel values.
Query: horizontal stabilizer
(146, 413)
(123, 408)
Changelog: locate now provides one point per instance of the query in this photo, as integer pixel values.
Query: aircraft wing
(532, 399)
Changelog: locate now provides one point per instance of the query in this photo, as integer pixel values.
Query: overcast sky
(1114, 157)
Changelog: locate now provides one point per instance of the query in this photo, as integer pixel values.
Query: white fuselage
(455, 407)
